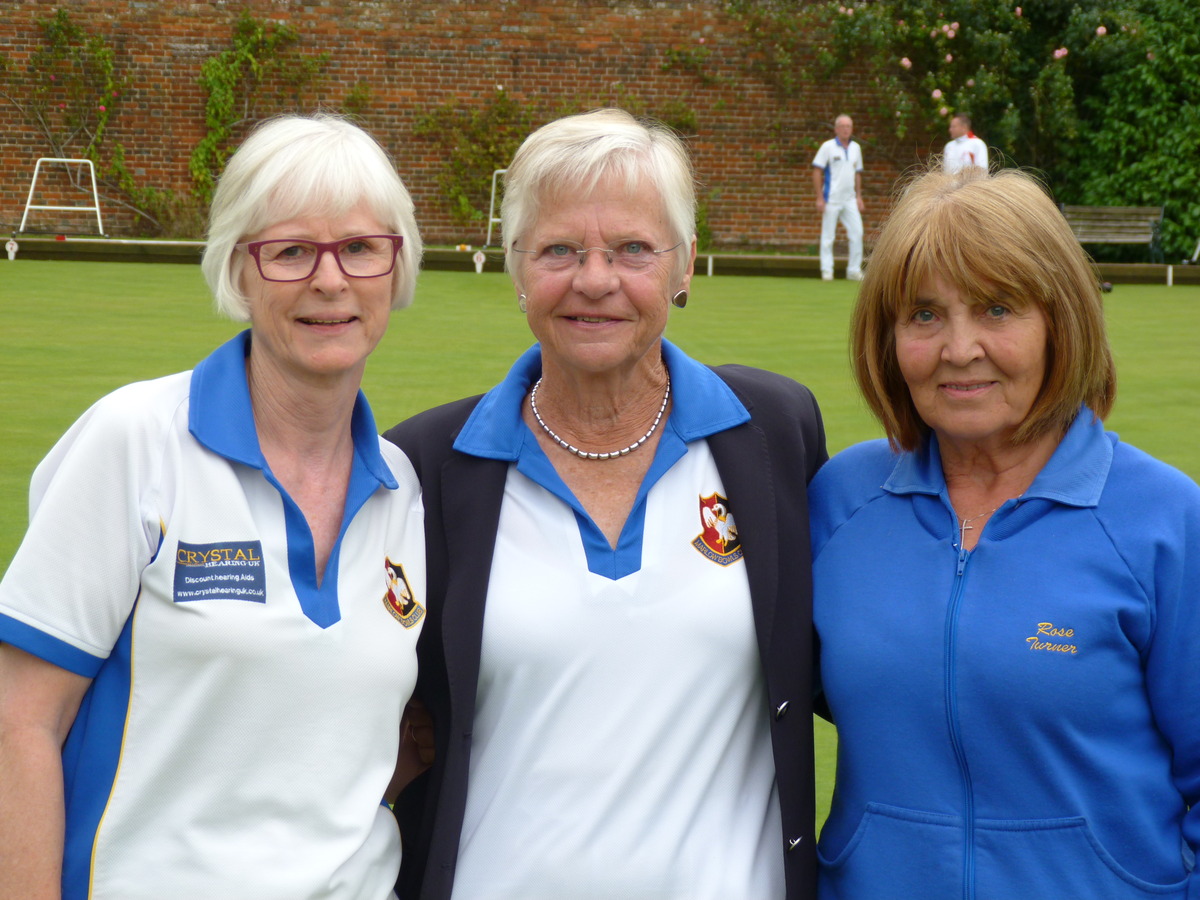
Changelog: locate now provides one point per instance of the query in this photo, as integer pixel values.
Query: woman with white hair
(617, 658)
(217, 713)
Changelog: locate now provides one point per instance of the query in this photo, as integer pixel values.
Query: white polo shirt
(963, 151)
(620, 748)
(840, 163)
(242, 722)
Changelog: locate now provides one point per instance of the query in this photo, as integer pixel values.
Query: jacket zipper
(951, 638)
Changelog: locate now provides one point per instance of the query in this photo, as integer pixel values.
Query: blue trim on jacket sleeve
(53, 650)
(88, 778)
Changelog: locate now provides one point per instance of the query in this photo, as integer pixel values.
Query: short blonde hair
(292, 166)
(984, 234)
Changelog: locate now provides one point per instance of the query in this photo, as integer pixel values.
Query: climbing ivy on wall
(69, 89)
(1101, 96)
(475, 142)
(261, 73)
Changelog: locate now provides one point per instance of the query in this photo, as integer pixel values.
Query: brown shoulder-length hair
(987, 235)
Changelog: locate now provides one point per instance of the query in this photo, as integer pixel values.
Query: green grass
(75, 330)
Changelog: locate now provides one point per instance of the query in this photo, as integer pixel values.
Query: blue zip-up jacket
(1021, 720)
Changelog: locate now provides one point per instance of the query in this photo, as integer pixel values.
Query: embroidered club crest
(399, 598)
(719, 540)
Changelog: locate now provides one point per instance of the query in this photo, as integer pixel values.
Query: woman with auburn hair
(1004, 592)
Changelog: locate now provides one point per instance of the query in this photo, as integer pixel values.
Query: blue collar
(222, 419)
(1074, 475)
(702, 405)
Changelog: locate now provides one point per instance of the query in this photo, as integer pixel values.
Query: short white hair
(293, 166)
(575, 153)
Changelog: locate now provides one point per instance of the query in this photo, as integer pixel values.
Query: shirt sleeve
(1171, 576)
(822, 157)
(74, 579)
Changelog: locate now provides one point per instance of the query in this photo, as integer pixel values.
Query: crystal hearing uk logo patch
(719, 541)
(228, 570)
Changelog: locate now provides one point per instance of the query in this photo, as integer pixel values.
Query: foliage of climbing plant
(475, 141)
(261, 73)
(69, 89)
(1101, 96)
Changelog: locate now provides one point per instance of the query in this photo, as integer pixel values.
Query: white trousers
(851, 219)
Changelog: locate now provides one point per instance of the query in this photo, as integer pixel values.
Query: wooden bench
(1118, 225)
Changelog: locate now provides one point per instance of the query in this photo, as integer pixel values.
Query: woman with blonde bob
(210, 705)
(1004, 592)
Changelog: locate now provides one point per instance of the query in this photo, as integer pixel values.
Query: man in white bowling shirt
(837, 182)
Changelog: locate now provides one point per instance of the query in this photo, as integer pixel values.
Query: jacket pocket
(901, 854)
(894, 854)
(1058, 858)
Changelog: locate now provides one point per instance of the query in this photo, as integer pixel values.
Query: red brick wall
(752, 152)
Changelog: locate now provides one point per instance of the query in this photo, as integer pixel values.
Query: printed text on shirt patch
(230, 570)
(718, 541)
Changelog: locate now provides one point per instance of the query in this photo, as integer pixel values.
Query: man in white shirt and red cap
(964, 148)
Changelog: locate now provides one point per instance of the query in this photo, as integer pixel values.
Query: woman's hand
(416, 747)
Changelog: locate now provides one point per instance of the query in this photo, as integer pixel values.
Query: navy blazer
(765, 463)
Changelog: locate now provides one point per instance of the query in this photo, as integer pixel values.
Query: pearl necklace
(583, 454)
